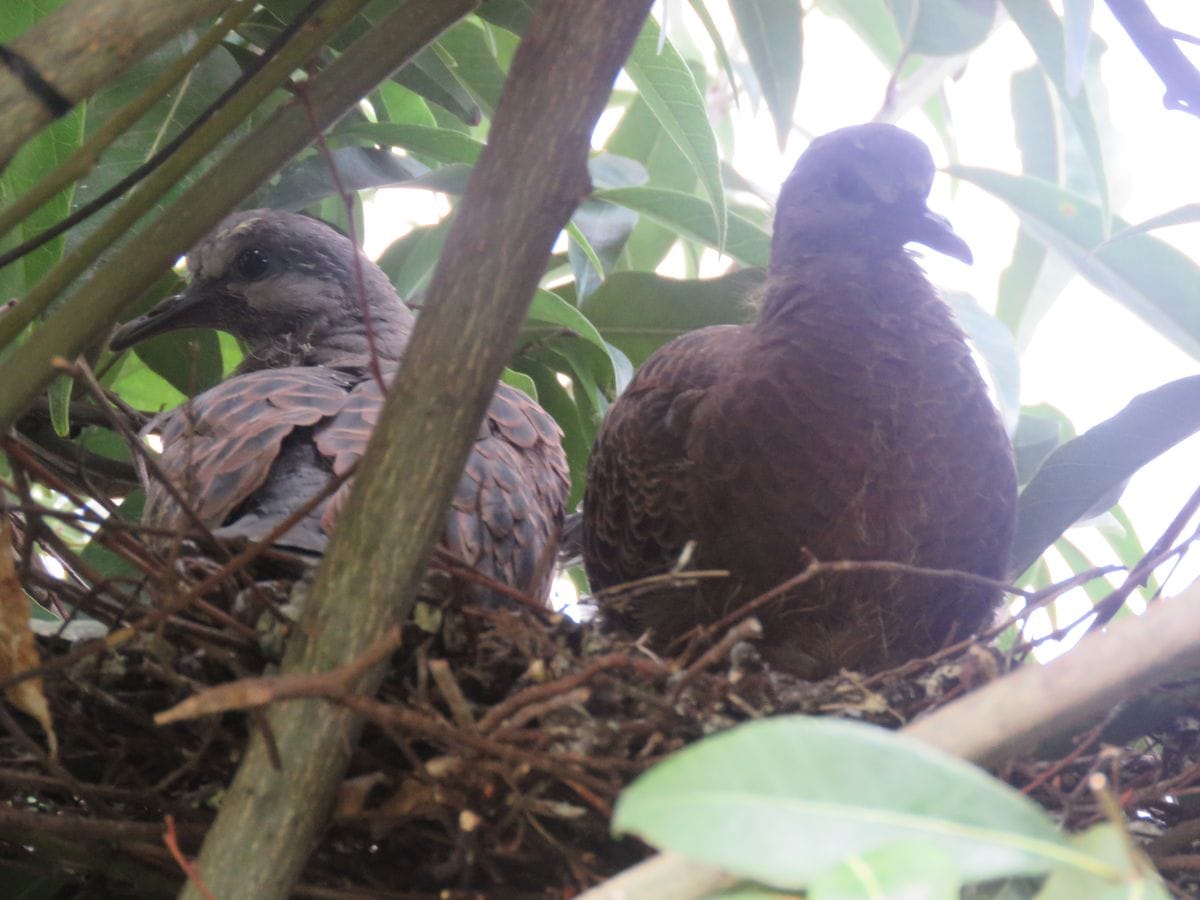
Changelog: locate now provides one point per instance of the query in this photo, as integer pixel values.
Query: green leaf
(1081, 472)
(714, 35)
(142, 388)
(409, 261)
(1154, 280)
(771, 33)
(783, 800)
(35, 160)
(549, 309)
(1187, 214)
(521, 382)
(510, 14)
(666, 84)
(307, 180)
(429, 76)
(473, 61)
(59, 396)
(103, 560)
(189, 359)
(1044, 32)
(690, 217)
(640, 136)
(1040, 431)
(905, 869)
(1106, 843)
(440, 144)
(1077, 34)
(943, 27)
(641, 311)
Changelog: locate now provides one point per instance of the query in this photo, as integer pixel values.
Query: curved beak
(183, 310)
(934, 231)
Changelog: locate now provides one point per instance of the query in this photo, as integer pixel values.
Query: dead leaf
(18, 649)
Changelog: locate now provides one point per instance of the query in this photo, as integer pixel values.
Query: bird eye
(850, 187)
(251, 264)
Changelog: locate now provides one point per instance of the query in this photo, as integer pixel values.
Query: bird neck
(804, 290)
(346, 338)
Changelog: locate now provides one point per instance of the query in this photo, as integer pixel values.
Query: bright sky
(1089, 356)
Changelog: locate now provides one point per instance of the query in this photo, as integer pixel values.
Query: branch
(79, 48)
(999, 721)
(1158, 45)
(529, 178)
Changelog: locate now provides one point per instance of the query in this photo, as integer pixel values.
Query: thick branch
(80, 47)
(995, 723)
(527, 182)
(1158, 45)
(81, 318)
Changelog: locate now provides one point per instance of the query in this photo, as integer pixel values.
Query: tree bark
(79, 48)
(529, 178)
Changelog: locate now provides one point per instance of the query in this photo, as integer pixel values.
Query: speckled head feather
(281, 282)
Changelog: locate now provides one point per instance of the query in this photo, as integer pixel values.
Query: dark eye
(850, 187)
(251, 264)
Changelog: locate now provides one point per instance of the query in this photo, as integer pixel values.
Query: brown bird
(848, 422)
(301, 406)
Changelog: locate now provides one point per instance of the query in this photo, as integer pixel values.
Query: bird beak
(934, 231)
(179, 311)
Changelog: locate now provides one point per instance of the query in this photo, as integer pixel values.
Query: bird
(847, 422)
(322, 327)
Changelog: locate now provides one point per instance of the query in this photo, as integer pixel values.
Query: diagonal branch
(1158, 45)
(529, 179)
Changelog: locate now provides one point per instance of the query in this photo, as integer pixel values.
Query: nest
(494, 755)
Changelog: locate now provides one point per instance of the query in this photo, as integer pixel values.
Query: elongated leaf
(549, 309)
(783, 800)
(690, 217)
(1035, 277)
(714, 35)
(641, 311)
(909, 870)
(190, 359)
(1138, 876)
(1188, 214)
(474, 62)
(429, 76)
(409, 261)
(439, 144)
(1150, 277)
(1075, 477)
(1044, 31)
(943, 27)
(1077, 34)
(667, 85)
(307, 180)
(771, 33)
(640, 136)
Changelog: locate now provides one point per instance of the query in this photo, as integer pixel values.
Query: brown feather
(849, 422)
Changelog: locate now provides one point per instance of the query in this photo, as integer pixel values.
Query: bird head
(266, 276)
(861, 189)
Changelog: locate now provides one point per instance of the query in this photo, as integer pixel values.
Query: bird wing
(219, 448)
(638, 508)
(507, 510)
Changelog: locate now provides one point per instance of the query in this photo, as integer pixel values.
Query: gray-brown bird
(301, 406)
(848, 422)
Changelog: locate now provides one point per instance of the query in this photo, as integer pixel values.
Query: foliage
(665, 201)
